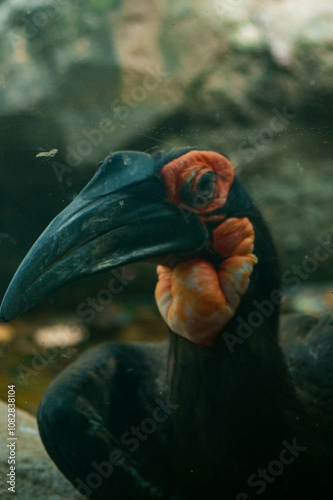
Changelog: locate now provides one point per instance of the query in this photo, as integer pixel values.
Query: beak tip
(10, 309)
(5, 315)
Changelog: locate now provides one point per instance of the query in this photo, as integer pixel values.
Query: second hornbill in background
(219, 412)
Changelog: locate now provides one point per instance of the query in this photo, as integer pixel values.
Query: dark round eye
(200, 190)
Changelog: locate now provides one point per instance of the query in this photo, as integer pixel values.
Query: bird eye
(199, 190)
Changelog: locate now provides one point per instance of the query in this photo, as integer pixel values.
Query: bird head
(184, 210)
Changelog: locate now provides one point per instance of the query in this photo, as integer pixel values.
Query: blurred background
(79, 80)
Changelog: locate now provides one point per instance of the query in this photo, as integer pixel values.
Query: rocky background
(36, 475)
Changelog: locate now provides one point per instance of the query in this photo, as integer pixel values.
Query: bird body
(229, 407)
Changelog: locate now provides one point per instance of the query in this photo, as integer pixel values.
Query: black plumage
(250, 415)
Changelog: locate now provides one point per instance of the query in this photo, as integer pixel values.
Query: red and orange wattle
(196, 298)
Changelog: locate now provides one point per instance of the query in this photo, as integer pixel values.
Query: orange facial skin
(189, 168)
(196, 298)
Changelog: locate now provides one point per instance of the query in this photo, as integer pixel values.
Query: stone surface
(249, 78)
(36, 475)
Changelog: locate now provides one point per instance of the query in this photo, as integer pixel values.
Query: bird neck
(235, 408)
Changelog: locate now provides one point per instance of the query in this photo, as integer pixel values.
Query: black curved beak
(121, 216)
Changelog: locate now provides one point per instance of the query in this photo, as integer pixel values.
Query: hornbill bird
(228, 408)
